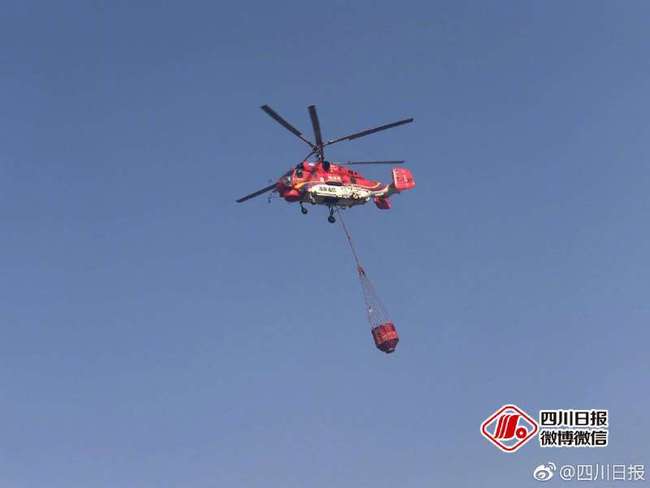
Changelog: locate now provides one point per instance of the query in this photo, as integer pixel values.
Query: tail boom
(402, 180)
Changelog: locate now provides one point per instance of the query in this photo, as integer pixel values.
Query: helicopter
(333, 184)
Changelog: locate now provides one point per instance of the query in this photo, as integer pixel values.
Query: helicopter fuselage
(332, 185)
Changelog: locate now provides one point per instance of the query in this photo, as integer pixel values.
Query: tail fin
(383, 203)
(402, 180)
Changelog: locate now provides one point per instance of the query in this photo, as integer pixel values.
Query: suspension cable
(347, 234)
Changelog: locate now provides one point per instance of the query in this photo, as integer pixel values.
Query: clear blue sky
(156, 334)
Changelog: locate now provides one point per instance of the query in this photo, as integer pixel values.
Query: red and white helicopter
(321, 182)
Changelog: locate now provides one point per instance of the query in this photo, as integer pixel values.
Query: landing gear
(331, 218)
(303, 210)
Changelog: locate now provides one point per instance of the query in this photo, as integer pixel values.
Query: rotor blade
(275, 116)
(257, 193)
(366, 132)
(352, 163)
(316, 125)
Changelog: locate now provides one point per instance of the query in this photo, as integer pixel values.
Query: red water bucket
(385, 336)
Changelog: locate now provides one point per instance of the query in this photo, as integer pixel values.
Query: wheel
(331, 219)
(304, 210)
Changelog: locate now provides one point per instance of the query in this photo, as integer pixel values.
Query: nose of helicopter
(286, 190)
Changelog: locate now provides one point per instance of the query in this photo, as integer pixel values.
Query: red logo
(509, 428)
